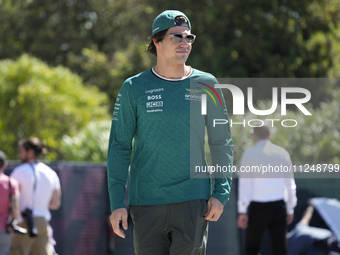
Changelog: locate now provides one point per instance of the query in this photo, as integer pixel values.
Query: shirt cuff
(290, 211)
(242, 208)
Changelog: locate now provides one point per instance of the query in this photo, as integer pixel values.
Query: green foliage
(103, 40)
(315, 139)
(109, 75)
(45, 102)
(266, 38)
(89, 144)
(51, 29)
(90, 37)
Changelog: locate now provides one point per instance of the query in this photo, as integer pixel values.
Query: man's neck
(260, 140)
(172, 72)
(30, 161)
(33, 161)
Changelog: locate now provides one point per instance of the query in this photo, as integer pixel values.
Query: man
(7, 185)
(40, 191)
(264, 203)
(161, 110)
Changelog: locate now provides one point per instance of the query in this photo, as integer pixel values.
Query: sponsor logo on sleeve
(117, 107)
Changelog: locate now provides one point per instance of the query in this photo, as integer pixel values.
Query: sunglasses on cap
(177, 38)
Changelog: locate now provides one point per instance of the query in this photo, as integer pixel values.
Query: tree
(280, 38)
(45, 102)
(103, 41)
(50, 29)
(89, 144)
(315, 139)
(96, 67)
(80, 34)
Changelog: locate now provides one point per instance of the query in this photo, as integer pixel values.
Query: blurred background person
(9, 204)
(40, 189)
(307, 240)
(265, 203)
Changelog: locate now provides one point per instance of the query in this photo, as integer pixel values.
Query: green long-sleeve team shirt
(164, 121)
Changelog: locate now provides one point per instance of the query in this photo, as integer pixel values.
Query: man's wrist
(220, 198)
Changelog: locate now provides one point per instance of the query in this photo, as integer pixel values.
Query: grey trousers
(5, 242)
(170, 229)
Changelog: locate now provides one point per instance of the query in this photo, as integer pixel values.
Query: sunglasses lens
(177, 38)
(190, 38)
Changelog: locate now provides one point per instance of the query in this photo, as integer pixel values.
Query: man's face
(23, 155)
(171, 52)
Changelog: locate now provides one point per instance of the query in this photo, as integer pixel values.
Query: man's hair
(160, 36)
(262, 132)
(2, 159)
(35, 144)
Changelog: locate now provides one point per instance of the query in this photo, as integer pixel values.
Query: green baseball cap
(166, 20)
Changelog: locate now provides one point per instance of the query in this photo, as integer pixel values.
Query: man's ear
(155, 42)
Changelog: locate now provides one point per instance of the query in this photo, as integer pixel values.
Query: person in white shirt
(40, 189)
(267, 193)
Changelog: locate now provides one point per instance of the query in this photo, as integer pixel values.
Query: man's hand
(290, 218)
(117, 216)
(242, 221)
(215, 209)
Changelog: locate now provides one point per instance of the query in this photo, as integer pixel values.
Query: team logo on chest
(193, 94)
